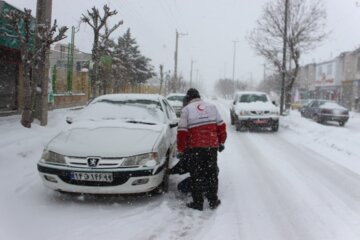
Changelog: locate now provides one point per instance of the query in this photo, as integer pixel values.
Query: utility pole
(284, 59)
(234, 58)
(43, 18)
(197, 77)
(161, 77)
(176, 58)
(191, 72)
(70, 61)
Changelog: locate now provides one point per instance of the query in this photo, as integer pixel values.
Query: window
(320, 71)
(358, 64)
(329, 69)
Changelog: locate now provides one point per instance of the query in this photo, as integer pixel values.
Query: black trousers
(204, 173)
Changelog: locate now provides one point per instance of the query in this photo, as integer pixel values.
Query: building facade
(337, 79)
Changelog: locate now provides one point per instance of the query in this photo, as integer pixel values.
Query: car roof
(129, 96)
(175, 94)
(249, 92)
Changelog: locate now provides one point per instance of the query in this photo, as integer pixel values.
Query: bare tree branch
(306, 29)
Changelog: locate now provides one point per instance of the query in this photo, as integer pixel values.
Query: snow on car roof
(129, 96)
(332, 105)
(250, 92)
(176, 94)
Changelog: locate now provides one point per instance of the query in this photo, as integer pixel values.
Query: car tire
(275, 127)
(317, 118)
(239, 127)
(164, 185)
(342, 123)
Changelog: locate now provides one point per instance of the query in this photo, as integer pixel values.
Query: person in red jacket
(202, 132)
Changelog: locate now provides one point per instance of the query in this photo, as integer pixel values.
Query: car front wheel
(239, 126)
(232, 119)
(164, 185)
(317, 118)
(275, 127)
(342, 123)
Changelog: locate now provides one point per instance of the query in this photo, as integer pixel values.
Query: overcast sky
(211, 27)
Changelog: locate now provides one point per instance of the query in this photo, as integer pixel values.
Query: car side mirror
(174, 123)
(69, 120)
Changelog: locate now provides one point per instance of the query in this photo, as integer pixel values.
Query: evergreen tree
(129, 65)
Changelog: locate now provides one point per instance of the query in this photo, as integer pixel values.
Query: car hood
(106, 139)
(256, 106)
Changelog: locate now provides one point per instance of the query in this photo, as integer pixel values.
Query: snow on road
(300, 183)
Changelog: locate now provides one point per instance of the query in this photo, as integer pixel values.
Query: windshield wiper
(140, 122)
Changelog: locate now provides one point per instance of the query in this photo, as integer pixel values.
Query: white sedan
(119, 144)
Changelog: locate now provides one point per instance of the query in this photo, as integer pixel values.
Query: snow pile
(328, 139)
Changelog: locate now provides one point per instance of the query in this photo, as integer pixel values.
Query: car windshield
(133, 111)
(176, 98)
(248, 98)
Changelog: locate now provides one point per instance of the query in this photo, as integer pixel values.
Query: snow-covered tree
(31, 57)
(305, 30)
(98, 23)
(130, 66)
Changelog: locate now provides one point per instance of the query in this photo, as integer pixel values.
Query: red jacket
(200, 125)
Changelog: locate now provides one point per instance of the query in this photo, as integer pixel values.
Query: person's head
(192, 93)
(185, 101)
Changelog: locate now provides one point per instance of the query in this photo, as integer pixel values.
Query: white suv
(254, 109)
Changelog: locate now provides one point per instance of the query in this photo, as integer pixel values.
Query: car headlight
(274, 112)
(244, 113)
(148, 159)
(53, 157)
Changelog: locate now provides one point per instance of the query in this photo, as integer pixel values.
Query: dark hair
(185, 101)
(192, 93)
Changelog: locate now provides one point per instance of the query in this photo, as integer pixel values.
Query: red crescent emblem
(200, 108)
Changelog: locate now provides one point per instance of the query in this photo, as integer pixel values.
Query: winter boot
(214, 204)
(195, 206)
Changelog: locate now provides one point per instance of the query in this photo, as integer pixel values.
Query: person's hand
(221, 148)
(179, 155)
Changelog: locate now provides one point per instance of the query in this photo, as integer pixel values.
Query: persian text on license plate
(93, 177)
(260, 121)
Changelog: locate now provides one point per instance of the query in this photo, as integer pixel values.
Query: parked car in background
(118, 144)
(325, 110)
(176, 101)
(254, 110)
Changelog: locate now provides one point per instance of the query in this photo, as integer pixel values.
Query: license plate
(260, 121)
(93, 177)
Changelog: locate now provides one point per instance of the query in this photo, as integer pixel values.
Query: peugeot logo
(93, 161)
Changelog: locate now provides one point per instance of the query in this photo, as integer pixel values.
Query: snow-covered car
(254, 109)
(176, 101)
(118, 144)
(325, 110)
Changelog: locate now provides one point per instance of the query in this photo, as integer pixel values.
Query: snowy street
(301, 183)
